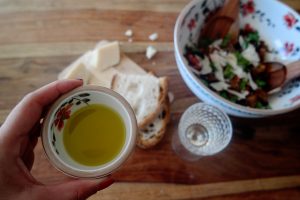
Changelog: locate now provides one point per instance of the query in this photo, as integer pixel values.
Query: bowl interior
(61, 113)
(277, 24)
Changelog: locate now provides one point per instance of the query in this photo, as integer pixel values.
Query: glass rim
(225, 118)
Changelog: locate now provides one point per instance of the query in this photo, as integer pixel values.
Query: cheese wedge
(104, 78)
(105, 56)
(77, 69)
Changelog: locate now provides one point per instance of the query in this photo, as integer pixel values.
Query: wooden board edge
(154, 191)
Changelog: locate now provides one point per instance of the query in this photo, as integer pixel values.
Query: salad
(233, 70)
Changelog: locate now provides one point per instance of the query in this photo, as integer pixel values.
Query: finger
(28, 112)
(31, 140)
(28, 158)
(36, 130)
(27, 146)
(79, 189)
(28, 154)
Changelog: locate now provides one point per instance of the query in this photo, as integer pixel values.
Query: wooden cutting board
(37, 42)
(260, 147)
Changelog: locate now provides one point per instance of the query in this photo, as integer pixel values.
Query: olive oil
(94, 135)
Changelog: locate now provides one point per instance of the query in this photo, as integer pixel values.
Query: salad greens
(243, 62)
(228, 72)
(205, 42)
(237, 73)
(260, 83)
(243, 84)
(252, 37)
(225, 41)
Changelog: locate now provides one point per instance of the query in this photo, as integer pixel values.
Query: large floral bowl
(277, 24)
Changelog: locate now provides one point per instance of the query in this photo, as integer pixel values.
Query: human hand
(18, 137)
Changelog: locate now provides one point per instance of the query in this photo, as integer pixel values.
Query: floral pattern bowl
(277, 24)
(61, 111)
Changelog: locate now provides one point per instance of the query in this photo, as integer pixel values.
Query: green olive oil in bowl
(89, 132)
(94, 135)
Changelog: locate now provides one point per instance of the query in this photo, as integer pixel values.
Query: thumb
(78, 189)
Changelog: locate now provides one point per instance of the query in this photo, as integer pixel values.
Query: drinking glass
(203, 130)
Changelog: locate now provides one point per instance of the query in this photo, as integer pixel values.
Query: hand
(18, 137)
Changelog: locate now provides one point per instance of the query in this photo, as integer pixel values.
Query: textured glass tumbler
(203, 130)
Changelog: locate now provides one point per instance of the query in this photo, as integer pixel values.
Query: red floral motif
(248, 8)
(290, 20)
(194, 61)
(294, 99)
(192, 24)
(63, 113)
(248, 28)
(288, 47)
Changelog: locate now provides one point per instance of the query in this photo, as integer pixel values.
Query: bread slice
(154, 132)
(145, 93)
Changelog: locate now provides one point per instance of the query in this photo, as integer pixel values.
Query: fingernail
(106, 183)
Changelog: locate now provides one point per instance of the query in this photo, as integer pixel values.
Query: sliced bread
(154, 132)
(145, 93)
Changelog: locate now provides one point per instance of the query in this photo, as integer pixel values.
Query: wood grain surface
(39, 38)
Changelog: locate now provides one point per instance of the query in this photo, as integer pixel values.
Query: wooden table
(38, 38)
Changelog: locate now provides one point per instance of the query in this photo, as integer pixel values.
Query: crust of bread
(161, 100)
(157, 137)
(113, 82)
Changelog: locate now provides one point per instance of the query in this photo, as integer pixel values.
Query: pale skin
(18, 137)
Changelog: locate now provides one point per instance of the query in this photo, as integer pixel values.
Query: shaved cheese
(219, 74)
(223, 53)
(238, 94)
(195, 71)
(150, 52)
(206, 68)
(153, 36)
(237, 70)
(129, 33)
(218, 59)
(242, 42)
(251, 82)
(219, 86)
(216, 44)
(219, 62)
(251, 55)
(231, 59)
